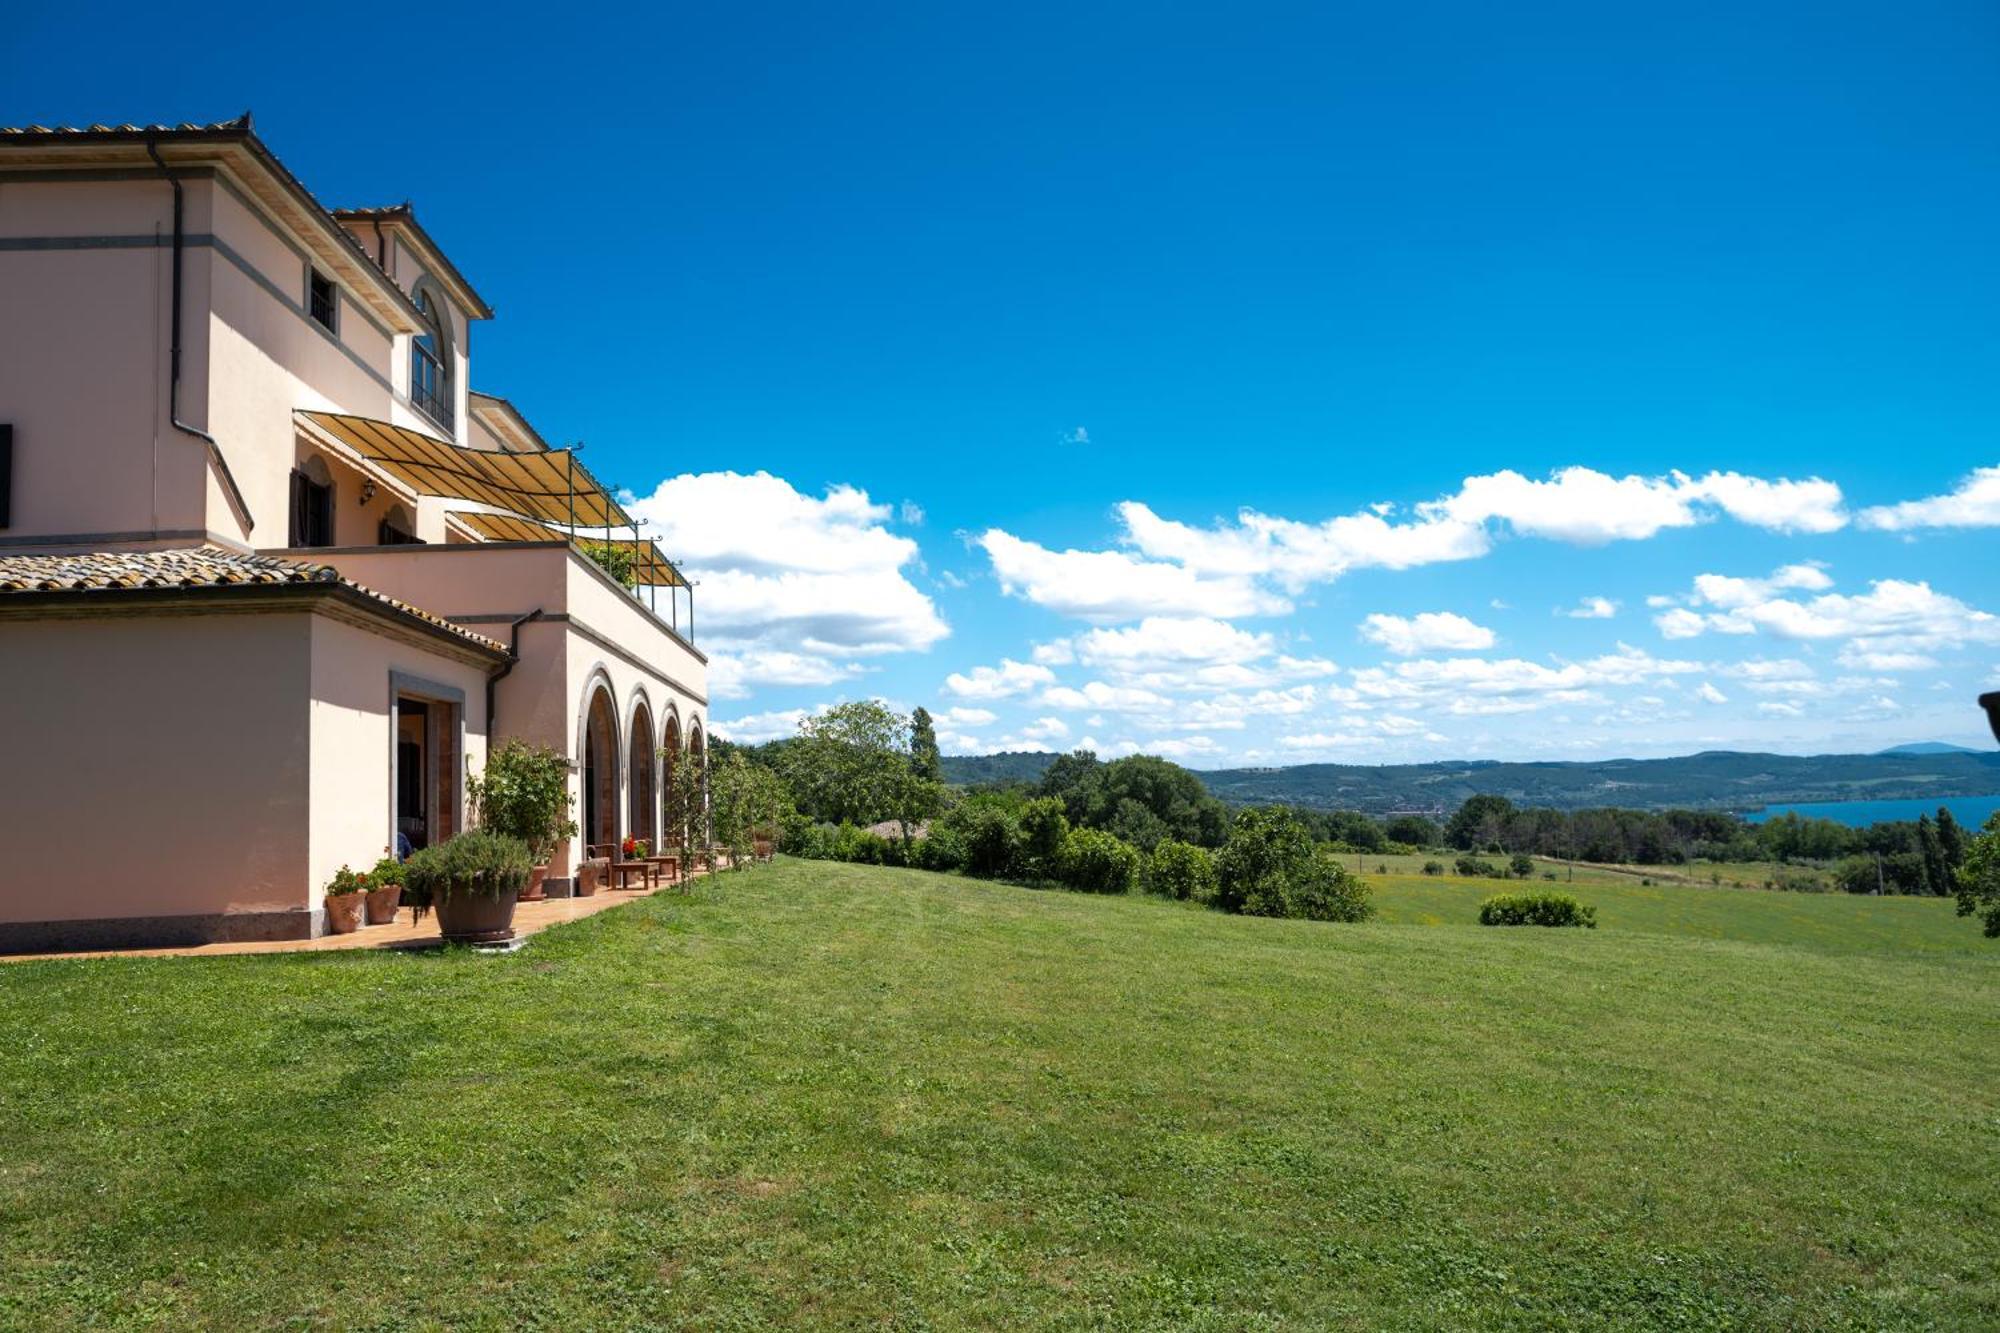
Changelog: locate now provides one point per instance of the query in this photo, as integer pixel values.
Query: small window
(320, 300)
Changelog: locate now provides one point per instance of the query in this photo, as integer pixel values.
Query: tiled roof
(197, 568)
(242, 122)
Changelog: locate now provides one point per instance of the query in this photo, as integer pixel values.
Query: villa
(273, 576)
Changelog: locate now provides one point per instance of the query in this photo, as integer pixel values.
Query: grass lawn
(817, 1095)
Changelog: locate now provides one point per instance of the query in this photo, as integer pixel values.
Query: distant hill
(1716, 779)
(1930, 747)
(993, 770)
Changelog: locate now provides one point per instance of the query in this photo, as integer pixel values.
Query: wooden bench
(668, 863)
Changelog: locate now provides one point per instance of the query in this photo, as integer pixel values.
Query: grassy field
(816, 1095)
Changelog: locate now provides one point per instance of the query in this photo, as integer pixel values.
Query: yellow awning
(554, 487)
(650, 567)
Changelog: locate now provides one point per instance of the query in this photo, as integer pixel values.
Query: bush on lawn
(1269, 867)
(1536, 909)
(1044, 831)
(1472, 866)
(475, 863)
(1433, 867)
(1181, 870)
(1097, 862)
(989, 838)
(1521, 865)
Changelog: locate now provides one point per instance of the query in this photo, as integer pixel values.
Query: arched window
(312, 504)
(397, 529)
(430, 360)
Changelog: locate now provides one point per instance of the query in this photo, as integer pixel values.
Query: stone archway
(642, 816)
(600, 769)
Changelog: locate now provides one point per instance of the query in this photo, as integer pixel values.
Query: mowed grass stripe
(817, 1095)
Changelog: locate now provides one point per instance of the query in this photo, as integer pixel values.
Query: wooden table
(621, 870)
(669, 863)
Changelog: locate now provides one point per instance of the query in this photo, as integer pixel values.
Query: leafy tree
(744, 798)
(1951, 842)
(1480, 822)
(924, 759)
(686, 802)
(615, 559)
(1413, 830)
(851, 764)
(1978, 881)
(1937, 875)
(1269, 867)
(1066, 773)
(1521, 865)
(1142, 799)
(524, 793)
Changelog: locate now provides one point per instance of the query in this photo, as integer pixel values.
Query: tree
(743, 798)
(1480, 822)
(686, 802)
(1936, 875)
(1143, 799)
(1044, 829)
(1521, 865)
(1270, 867)
(851, 764)
(1412, 830)
(1951, 841)
(1978, 881)
(924, 759)
(1066, 772)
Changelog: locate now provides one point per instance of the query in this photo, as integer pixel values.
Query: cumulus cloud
(1592, 608)
(999, 682)
(757, 727)
(1426, 632)
(965, 717)
(1184, 654)
(1897, 619)
(1707, 692)
(1472, 686)
(1256, 563)
(1974, 504)
(790, 584)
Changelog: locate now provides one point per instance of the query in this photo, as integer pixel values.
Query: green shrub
(1269, 867)
(524, 794)
(387, 871)
(1044, 832)
(1097, 862)
(1433, 867)
(942, 850)
(1521, 864)
(1473, 866)
(990, 837)
(475, 863)
(1536, 909)
(1181, 870)
(860, 846)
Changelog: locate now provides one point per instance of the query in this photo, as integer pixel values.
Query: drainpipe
(513, 656)
(174, 363)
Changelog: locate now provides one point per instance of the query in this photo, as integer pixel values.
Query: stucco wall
(351, 730)
(84, 342)
(157, 766)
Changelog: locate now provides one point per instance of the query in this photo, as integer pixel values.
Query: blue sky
(1222, 368)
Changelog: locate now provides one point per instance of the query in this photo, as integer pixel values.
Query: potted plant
(635, 849)
(385, 890)
(524, 794)
(472, 881)
(345, 895)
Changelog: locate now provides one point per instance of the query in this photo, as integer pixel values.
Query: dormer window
(430, 362)
(320, 301)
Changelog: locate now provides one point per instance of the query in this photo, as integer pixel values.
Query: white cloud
(1046, 729)
(1592, 608)
(1002, 682)
(1112, 586)
(1974, 504)
(789, 584)
(1474, 686)
(1894, 617)
(1861, 658)
(1426, 632)
(732, 673)
(758, 727)
(965, 717)
(1254, 564)
(1110, 698)
(1707, 691)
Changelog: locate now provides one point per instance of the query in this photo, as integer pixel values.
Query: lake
(1971, 811)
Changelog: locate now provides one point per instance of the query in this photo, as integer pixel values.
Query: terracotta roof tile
(196, 568)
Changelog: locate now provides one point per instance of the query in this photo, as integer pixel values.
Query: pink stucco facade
(241, 758)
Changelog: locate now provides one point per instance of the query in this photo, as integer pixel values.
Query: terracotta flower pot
(475, 918)
(343, 912)
(590, 875)
(533, 892)
(382, 904)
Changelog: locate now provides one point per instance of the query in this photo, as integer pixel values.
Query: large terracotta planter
(382, 904)
(590, 875)
(534, 893)
(475, 918)
(343, 912)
